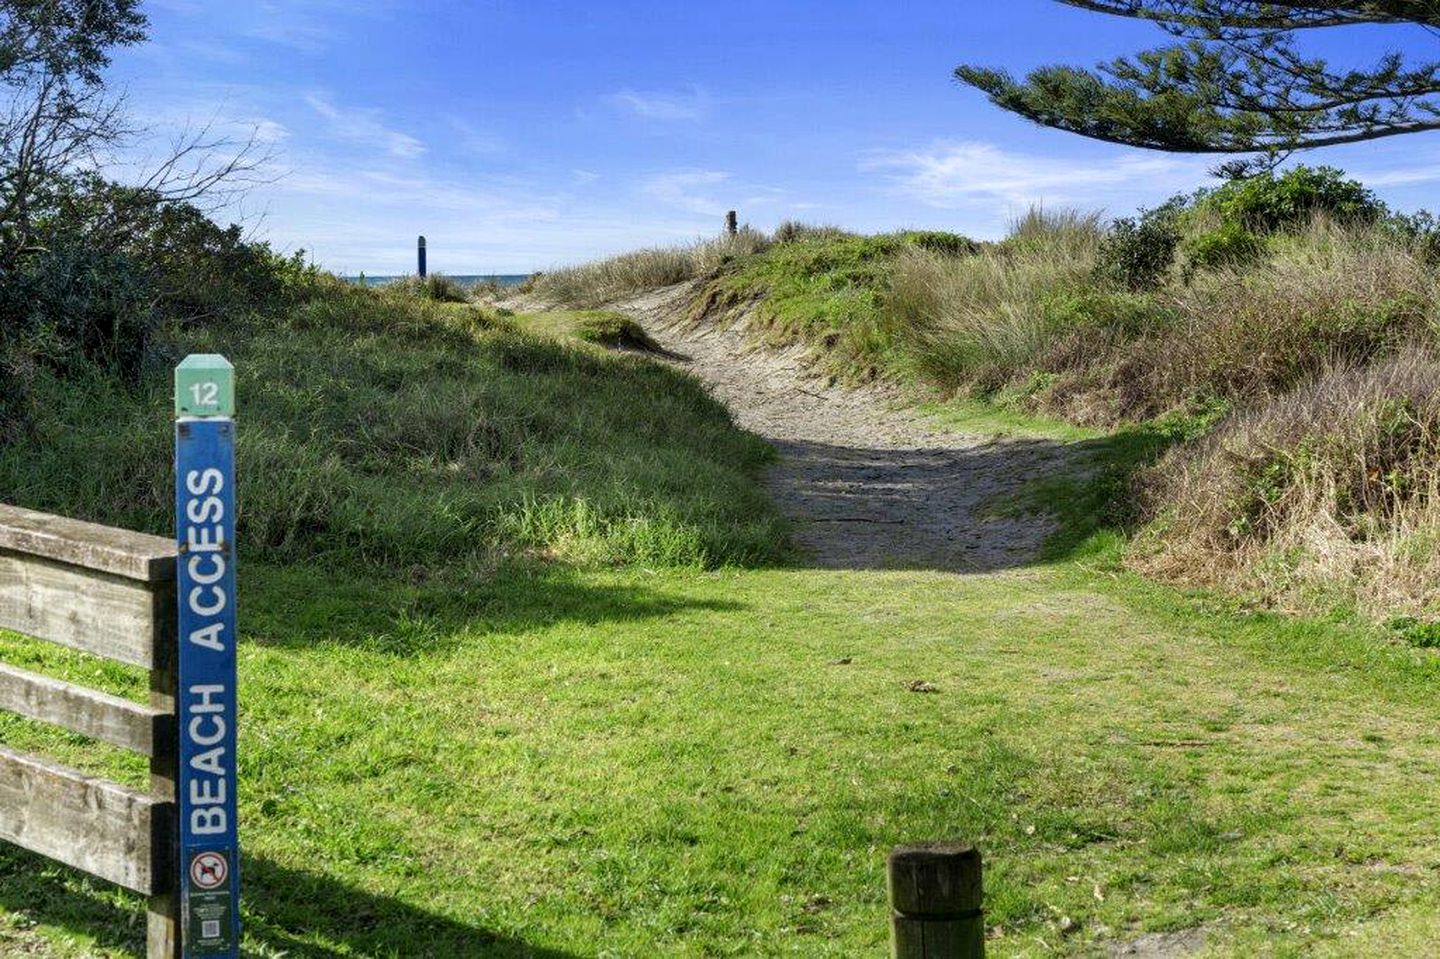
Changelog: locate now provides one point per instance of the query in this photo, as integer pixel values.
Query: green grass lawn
(715, 763)
(526, 757)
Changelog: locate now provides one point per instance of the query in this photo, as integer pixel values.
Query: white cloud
(967, 174)
(689, 190)
(1403, 176)
(365, 126)
(471, 139)
(660, 106)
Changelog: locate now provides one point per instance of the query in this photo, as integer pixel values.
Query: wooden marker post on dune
(209, 849)
(420, 257)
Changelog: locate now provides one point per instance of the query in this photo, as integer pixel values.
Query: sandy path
(868, 484)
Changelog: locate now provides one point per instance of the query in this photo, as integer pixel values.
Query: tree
(1237, 81)
(55, 114)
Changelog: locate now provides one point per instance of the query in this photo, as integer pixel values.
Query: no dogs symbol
(208, 870)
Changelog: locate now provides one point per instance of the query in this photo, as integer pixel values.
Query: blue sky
(520, 134)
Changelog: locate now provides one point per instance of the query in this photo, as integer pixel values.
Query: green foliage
(1231, 245)
(73, 309)
(384, 431)
(818, 290)
(1415, 631)
(1106, 312)
(1137, 252)
(609, 328)
(435, 287)
(1420, 230)
(941, 241)
(793, 231)
(1267, 203)
(1237, 83)
(95, 295)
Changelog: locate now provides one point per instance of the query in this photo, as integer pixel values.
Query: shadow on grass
(286, 912)
(306, 915)
(988, 507)
(429, 612)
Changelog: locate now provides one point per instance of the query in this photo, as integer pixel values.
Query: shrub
(72, 308)
(1268, 203)
(1326, 494)
(615, 329)
(793, 231)
(1136, 253)
(1419, 230)
(1231, 245)
(941, 241)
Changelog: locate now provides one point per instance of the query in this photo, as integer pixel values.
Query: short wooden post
(935, 902)
(732, 223)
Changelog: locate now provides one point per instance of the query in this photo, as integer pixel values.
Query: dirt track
(868, 484)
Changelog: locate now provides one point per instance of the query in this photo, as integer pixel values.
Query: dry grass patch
(1323, 494)
(604, 281)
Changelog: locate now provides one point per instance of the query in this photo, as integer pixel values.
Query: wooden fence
(110, 593)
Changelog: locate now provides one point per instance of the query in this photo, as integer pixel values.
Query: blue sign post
(209, 876)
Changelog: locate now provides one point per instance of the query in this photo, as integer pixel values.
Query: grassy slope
(557, 760)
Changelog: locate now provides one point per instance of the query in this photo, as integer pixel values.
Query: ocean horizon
(467, 279)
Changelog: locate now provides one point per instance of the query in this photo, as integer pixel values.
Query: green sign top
(204, 386)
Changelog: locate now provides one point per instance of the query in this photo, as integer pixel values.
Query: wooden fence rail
(110, 593)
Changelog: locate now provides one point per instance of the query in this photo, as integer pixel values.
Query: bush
(1232, 245)
(617, 330)
(1268, 203)
(1136, 253)
(1419, 230)
(71, 308)
(1327, 494)
(941, 241)
(793, 231)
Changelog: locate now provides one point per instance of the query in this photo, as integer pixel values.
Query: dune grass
(393, 431)
(1206, 315)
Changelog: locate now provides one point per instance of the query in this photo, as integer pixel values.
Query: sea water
(504, 279)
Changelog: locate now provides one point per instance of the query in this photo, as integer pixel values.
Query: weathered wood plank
(99, 613)
(98, 826)
(88, 712)
(105, 549)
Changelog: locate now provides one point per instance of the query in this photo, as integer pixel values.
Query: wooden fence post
(109, 593)
(732, 223)
(935, 902)
(162, 939)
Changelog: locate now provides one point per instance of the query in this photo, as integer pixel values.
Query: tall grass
(982, 319)
(1329, 494)
(435, 286)
(396, 431)
(604, 281)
